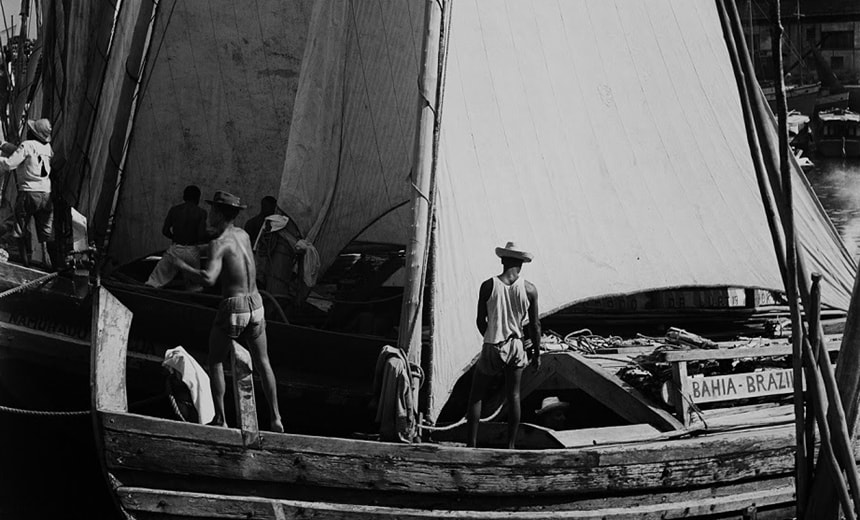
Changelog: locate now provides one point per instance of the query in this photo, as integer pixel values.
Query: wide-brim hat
(226, 199)
(42, 129)
(551, 403)
(512, 251)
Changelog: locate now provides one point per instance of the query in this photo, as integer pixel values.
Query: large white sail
(605, 136)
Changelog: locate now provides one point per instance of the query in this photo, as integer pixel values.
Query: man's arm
(534, 329)
(14, 160)
(483, 298)
(209, 275)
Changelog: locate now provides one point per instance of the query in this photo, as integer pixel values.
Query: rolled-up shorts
(495, 357)
(241, 316)
(36, 204)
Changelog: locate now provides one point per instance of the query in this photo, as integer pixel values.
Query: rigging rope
(462, 421)
(43, 413)
(28, 285)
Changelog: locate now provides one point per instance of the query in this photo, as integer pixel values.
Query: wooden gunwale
(198, 505)
(146, 444)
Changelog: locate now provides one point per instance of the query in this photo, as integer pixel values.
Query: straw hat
(551, 403)
(512, 251)
(226, 199)
(42, 129)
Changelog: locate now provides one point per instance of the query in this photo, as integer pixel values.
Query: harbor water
(837, 184)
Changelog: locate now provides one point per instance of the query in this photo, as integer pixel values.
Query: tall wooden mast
(417, 249)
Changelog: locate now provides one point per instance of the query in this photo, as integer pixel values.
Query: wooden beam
(681, 390)
(111, 324)
(735, 353)
(612, 392)
(243, 392)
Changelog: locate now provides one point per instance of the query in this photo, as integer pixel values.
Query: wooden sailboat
(97, 107)
(169, 469)
(464, 199)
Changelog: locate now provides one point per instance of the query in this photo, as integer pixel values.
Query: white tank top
(507, 310)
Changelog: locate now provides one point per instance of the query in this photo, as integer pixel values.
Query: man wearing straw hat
(240, 315)
(507, 304)
(32, 164)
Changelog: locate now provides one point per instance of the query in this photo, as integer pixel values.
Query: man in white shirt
(32, 164)
(507, 309)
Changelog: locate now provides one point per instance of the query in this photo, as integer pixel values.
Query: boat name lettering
(45, 324)
(740, 386)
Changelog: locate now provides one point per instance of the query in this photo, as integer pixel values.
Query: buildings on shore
(833, 26)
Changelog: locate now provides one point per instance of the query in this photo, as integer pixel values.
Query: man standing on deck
(507, 304)
(240, 315)
(185, 225)
(32, 164)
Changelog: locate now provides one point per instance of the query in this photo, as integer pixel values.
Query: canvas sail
(606, 137)
(354, 127)
(214, 110)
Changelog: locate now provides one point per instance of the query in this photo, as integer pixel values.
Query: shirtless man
(240, 314)
(505, 303)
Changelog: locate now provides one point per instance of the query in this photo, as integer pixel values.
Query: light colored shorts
(241, 315)
(496, 357)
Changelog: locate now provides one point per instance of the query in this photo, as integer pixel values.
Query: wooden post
(682, 391)
(416, 249)
(791, 289)
(243, 392)
(814, 313)
(815, 386)
(111, 322)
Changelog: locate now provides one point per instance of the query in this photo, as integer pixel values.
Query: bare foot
(217, 422)
(277, 426)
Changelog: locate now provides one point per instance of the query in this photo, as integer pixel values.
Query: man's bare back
(241, 316)
(238, 271)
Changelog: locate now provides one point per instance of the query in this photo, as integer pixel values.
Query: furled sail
(122, 81)
(605, 136)
(214, 110)
(77, 38)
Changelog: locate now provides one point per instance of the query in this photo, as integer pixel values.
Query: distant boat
(797, 97)
(836, 133)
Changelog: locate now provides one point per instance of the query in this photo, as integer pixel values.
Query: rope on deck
(461, 421)
(29, 285)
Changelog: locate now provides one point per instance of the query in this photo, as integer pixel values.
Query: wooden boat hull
(47, 331)
(178, 465)
(171, 469)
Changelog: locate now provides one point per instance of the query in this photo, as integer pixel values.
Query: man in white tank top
(507, 307)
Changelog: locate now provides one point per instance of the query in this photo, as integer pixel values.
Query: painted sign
(741, 386)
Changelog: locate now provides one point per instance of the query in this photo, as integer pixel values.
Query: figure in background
(32, 164)
(507, 304)
(240, 314)
(185, 226)
(552, 413)
(268, 206)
